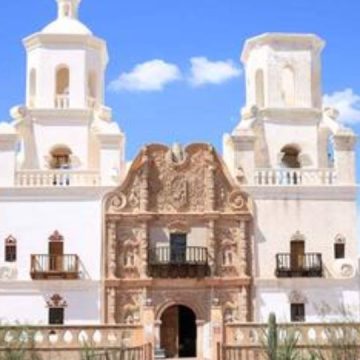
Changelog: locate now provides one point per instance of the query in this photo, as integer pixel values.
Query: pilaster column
(111, 236)
(200, 339)
(111, 305)
(244, 304)
(211, 247)
(243, 249)
(217, 326)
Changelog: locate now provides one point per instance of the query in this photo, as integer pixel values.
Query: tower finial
(68, 8)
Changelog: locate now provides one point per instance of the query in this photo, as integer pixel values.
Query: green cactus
(272, 338)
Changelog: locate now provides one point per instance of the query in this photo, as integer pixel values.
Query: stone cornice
(302, 283)
(62, 117)
(283, 40)
(290, 116)
(321, 192)
(31, 286)
(200, 215)
(87, 41)
(179, 283)
(54, 193)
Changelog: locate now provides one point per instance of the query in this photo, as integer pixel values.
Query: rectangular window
(56, 316)
(297, 312)
(339, 250)
(10, 253)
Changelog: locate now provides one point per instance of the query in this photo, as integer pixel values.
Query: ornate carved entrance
(178, 332)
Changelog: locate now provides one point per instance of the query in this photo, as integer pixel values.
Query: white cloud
(204, 71)
(152, 75)
(347, 102)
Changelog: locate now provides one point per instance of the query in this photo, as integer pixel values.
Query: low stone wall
(246, 341)
(76, 342)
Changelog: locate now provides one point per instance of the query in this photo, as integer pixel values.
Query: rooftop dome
(66, 25)
(67, 21)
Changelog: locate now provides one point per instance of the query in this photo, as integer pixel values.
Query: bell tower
(283, 124)
(65, 114)
(65, 63)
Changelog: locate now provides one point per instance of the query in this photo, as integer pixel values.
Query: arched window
(92, 89)
(92, 84)
(288, 86)
(62, 80)
(32, 86)
(60, 157)
(62, 90)
(259, 88)
(290, 157)
(10, 249)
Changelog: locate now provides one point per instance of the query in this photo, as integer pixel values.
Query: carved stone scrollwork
(237, 200)
(178, 192)
(117, 203)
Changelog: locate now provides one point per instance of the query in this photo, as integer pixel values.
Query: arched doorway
(178, 332)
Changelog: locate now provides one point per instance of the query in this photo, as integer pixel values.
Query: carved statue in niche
(129, 306)
(228, 235)
(129, 251)
(230, 300)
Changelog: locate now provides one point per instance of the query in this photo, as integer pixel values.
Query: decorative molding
(56, 301)
(297, 297)
(10, 240)
(56, 237)
(340, 239)
(298, 236)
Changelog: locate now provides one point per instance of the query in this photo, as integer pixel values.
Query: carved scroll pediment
(191, 179)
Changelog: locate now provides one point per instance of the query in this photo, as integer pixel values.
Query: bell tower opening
(178, 332)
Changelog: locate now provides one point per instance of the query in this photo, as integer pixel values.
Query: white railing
(62, 101)
(293, 177)
(57, 178)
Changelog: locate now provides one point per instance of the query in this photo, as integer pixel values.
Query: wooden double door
(178, 332)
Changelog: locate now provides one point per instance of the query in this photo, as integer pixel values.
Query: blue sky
(174, 32)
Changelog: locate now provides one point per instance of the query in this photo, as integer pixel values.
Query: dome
(67, 25)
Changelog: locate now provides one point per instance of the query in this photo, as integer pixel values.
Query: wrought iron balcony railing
(55, 267)
(166, 262)
(303, 265)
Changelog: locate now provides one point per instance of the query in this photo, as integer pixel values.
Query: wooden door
(56, 255)
(169, 332)
(297, 255)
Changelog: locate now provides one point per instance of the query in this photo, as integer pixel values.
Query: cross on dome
(68, 8)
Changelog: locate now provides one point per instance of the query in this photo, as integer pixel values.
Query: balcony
(62, 102)
(64, 267)
(189, 262)
(293, 177)
(57, 178)
(307, 265)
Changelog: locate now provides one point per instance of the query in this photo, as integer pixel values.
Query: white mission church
(269, 226)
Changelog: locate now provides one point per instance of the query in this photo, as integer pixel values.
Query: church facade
(182, 241)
